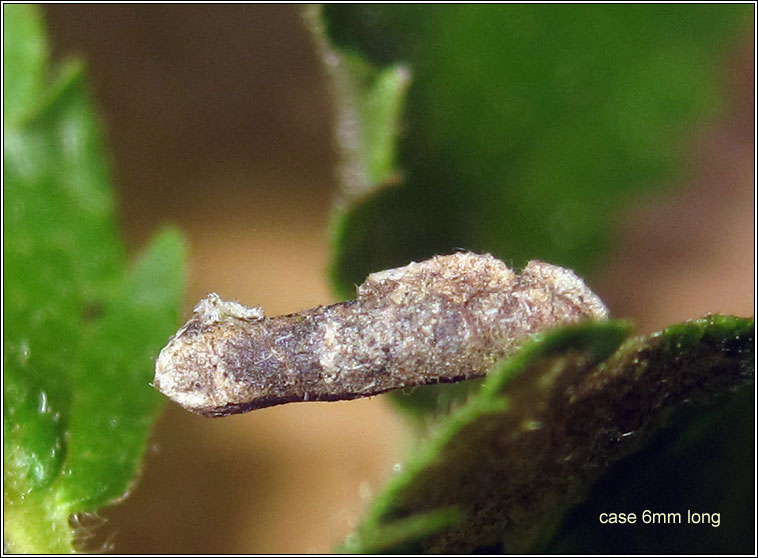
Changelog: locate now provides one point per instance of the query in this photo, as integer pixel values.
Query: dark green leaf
(702, 462)
(548, 422)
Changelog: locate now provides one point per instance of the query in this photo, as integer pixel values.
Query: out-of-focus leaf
(549, 421)
(68, 359)
(369, 102)
(526, 126)
(24, 59)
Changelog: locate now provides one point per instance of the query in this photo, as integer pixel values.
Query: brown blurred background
(218, 121)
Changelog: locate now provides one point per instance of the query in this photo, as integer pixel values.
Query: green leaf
(105, 448)
(369, 104)
(525, 128)
(402, 536)
(77, 406)
(60, 256)
(548, 422)
(526, 125)
(24, 58)
(703, 461)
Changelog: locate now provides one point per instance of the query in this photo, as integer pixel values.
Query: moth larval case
(441, 320)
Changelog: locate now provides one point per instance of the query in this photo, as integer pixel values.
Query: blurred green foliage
(526, 126)
(81, 328)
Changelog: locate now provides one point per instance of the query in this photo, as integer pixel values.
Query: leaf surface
(80, 330)
(549, 421)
